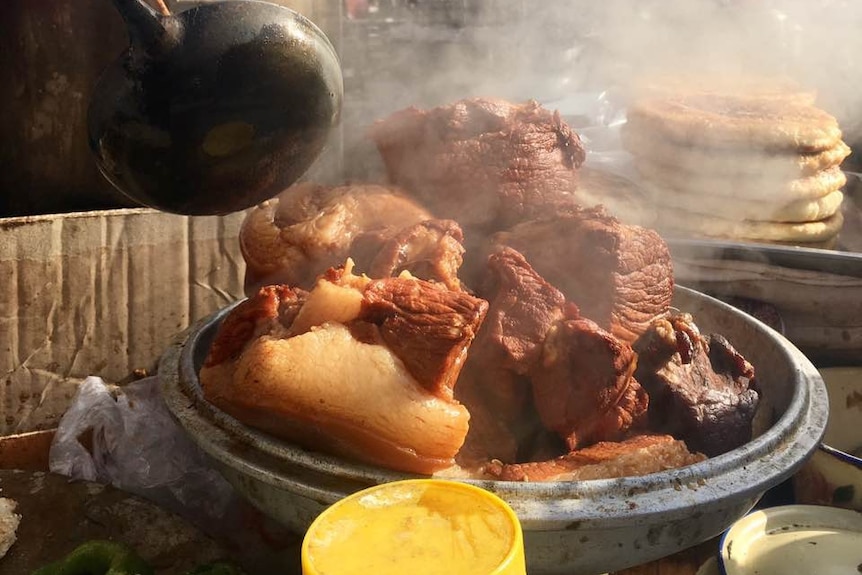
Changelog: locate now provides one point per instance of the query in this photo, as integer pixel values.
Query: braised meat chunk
(271, 310)
(523, 308)
(638, 455)
(495, 386)
(296, 236)
(431, 250)
(363, 368)
(584, 388)
(486, 163)
(619, 276)
(701, 389)
(426, 325)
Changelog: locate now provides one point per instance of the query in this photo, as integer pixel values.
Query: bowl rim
(841, 455)
(798, 432)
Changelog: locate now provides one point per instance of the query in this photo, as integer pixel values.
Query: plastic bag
(125, 437)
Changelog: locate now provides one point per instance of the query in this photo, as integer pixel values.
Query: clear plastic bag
(125, 437)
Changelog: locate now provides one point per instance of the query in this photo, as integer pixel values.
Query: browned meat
(701, 389)
(494, 385)
(619, 276)
(492, 434)
(426, 325)
(635, 456)
(486, 163)
(383, 398)
(294, 237)
(584, 388)
(257, 315)
(523, 308)
(431, 250)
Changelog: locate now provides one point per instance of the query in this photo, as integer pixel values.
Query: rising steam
(548, 49)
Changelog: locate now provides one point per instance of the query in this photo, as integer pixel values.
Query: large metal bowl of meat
(588, 526)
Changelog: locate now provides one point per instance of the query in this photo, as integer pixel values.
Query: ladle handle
(151, 32)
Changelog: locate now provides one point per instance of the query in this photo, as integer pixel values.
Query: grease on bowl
(420, 527)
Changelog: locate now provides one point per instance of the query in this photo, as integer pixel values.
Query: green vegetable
(98, 558)
(108, 558)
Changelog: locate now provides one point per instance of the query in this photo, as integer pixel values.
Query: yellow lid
(416, 527)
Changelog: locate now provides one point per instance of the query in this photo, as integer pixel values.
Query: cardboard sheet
(101, 293)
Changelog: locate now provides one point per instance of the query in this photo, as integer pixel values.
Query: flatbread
(733, 121)
(787, 165)
(762, 186)
(739, 209)
(674, 220)
(761, 87)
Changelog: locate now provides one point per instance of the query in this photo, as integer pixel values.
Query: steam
(550, 49)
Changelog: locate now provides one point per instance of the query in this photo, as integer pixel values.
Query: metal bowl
(569, 527)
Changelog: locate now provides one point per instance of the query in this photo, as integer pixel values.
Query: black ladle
(216, 108)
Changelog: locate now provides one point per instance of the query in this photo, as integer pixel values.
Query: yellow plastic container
(416, 527)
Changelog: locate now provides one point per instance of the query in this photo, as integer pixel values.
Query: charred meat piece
(618, 275)
(431, 250)
(701, 389)
(584, 388)
(486, 163)
(635, 456)
(294, 237)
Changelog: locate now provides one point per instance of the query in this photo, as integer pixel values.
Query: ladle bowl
(216, 108)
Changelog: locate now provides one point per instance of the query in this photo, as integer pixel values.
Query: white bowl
(793, 539)
(570, 527)
(833, 475)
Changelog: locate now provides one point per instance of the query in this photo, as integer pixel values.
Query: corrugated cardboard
(101, 293)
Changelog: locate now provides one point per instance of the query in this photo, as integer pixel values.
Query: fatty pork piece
(356, 367)
(584, 386)
(485, 163)
(620, 276)
(635, 456)
(308, 228)
(495, 385)
(431, 250)
(701, 389)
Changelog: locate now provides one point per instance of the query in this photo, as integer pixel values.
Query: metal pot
(569, 527)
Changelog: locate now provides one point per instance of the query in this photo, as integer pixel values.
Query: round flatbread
(760, 87)
(739, 209)
(723, 120)
(763, 186)
(788, 165)
(673, 220)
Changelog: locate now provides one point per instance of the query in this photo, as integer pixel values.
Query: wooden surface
(51, 54)
(684, 563)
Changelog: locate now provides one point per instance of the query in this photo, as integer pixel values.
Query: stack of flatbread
(756, 163)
